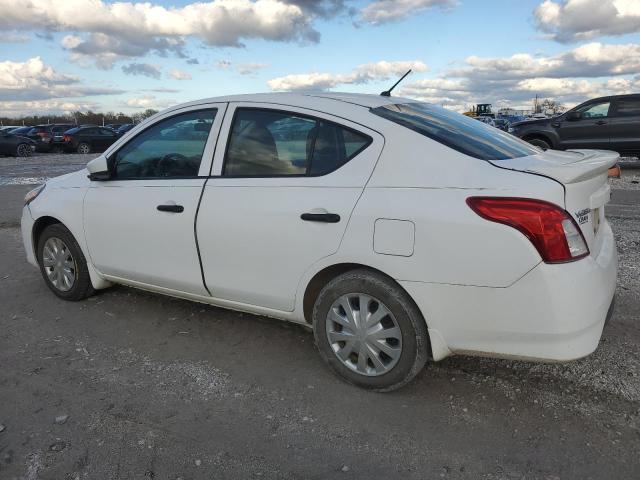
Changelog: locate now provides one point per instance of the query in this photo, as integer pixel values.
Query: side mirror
(574, 116)
(99, 169)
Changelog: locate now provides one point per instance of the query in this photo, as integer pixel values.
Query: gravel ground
(133, 385)
(39, 167)
(629, 180)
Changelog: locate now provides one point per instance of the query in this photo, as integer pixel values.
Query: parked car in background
(8, 128)
(88, 139)
(114, 126)
(398, 230)
(22, 131)
(16, 145)
(125, 128)
(49, 137)
(609, 123)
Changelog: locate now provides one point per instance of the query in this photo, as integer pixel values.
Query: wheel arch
(46, 220)
(38, 227)
(539, 136)
(328, 273)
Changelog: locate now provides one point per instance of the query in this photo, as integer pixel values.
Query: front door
(280, 199)
(589, 131)
(139, 225)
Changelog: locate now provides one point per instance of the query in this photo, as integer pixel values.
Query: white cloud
(250, 68)
(242, 68)
(145, 69)
(572, 20)
(360, 75)
(148, 101)
(33, 80)
(107, 32)
(384, 11)
(588, 71)
(223, 64)
(179, 75)
(13, 38)
(44, 107)
(589, 60)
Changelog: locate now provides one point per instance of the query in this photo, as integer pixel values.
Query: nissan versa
(398, 230)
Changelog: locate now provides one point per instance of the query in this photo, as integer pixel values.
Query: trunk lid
(584, 176)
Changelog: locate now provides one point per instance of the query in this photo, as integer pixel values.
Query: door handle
(321, 217)
(171, 208)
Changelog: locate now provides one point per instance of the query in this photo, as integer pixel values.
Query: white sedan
(398, 230)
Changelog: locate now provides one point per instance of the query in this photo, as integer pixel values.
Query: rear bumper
(553, 313)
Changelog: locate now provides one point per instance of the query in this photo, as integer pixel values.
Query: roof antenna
(387, 93)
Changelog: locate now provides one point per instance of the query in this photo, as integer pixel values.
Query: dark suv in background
(88, 139)
(608, 123)
(48, 138)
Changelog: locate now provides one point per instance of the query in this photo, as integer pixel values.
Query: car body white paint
(481, 287)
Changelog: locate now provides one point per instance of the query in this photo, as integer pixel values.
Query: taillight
(66, 138)
(550, 228)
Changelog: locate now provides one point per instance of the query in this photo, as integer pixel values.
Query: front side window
(597, 110)
(456, 131)
(275, 143)
(171, 148)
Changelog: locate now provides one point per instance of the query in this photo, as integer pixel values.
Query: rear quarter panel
(422, 181)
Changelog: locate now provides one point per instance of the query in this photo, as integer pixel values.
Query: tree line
(79, 118)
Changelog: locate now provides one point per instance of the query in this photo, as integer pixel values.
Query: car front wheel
(369, 331)
(62, 264)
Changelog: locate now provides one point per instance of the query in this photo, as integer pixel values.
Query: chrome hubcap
(83, 148)
(59, 264)
(364, 334)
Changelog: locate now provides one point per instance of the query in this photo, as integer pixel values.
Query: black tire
(544, 145)
(81, 287)
(83, 148)
(23, 150)
(415, 339)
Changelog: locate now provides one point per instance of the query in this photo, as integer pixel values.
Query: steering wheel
(169, 162)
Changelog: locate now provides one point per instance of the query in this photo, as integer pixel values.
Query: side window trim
(318, 120)
(220, 110)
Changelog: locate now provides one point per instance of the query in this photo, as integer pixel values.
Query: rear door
(590, 131)
(279, 200)
(625, 125)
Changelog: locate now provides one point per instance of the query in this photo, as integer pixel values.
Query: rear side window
(456, 131)
(265, 143)
(628, 107)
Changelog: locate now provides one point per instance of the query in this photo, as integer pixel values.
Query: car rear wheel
(62, 264)
(369, 331)
(84, 148)
(539, 143)
(23, 150)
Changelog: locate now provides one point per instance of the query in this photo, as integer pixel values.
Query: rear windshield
(456, 131)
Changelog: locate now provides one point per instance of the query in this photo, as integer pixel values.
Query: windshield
(456, 131)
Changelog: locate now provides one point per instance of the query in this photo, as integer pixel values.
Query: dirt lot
(132, 385)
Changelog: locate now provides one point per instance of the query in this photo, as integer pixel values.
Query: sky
(62, 56)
